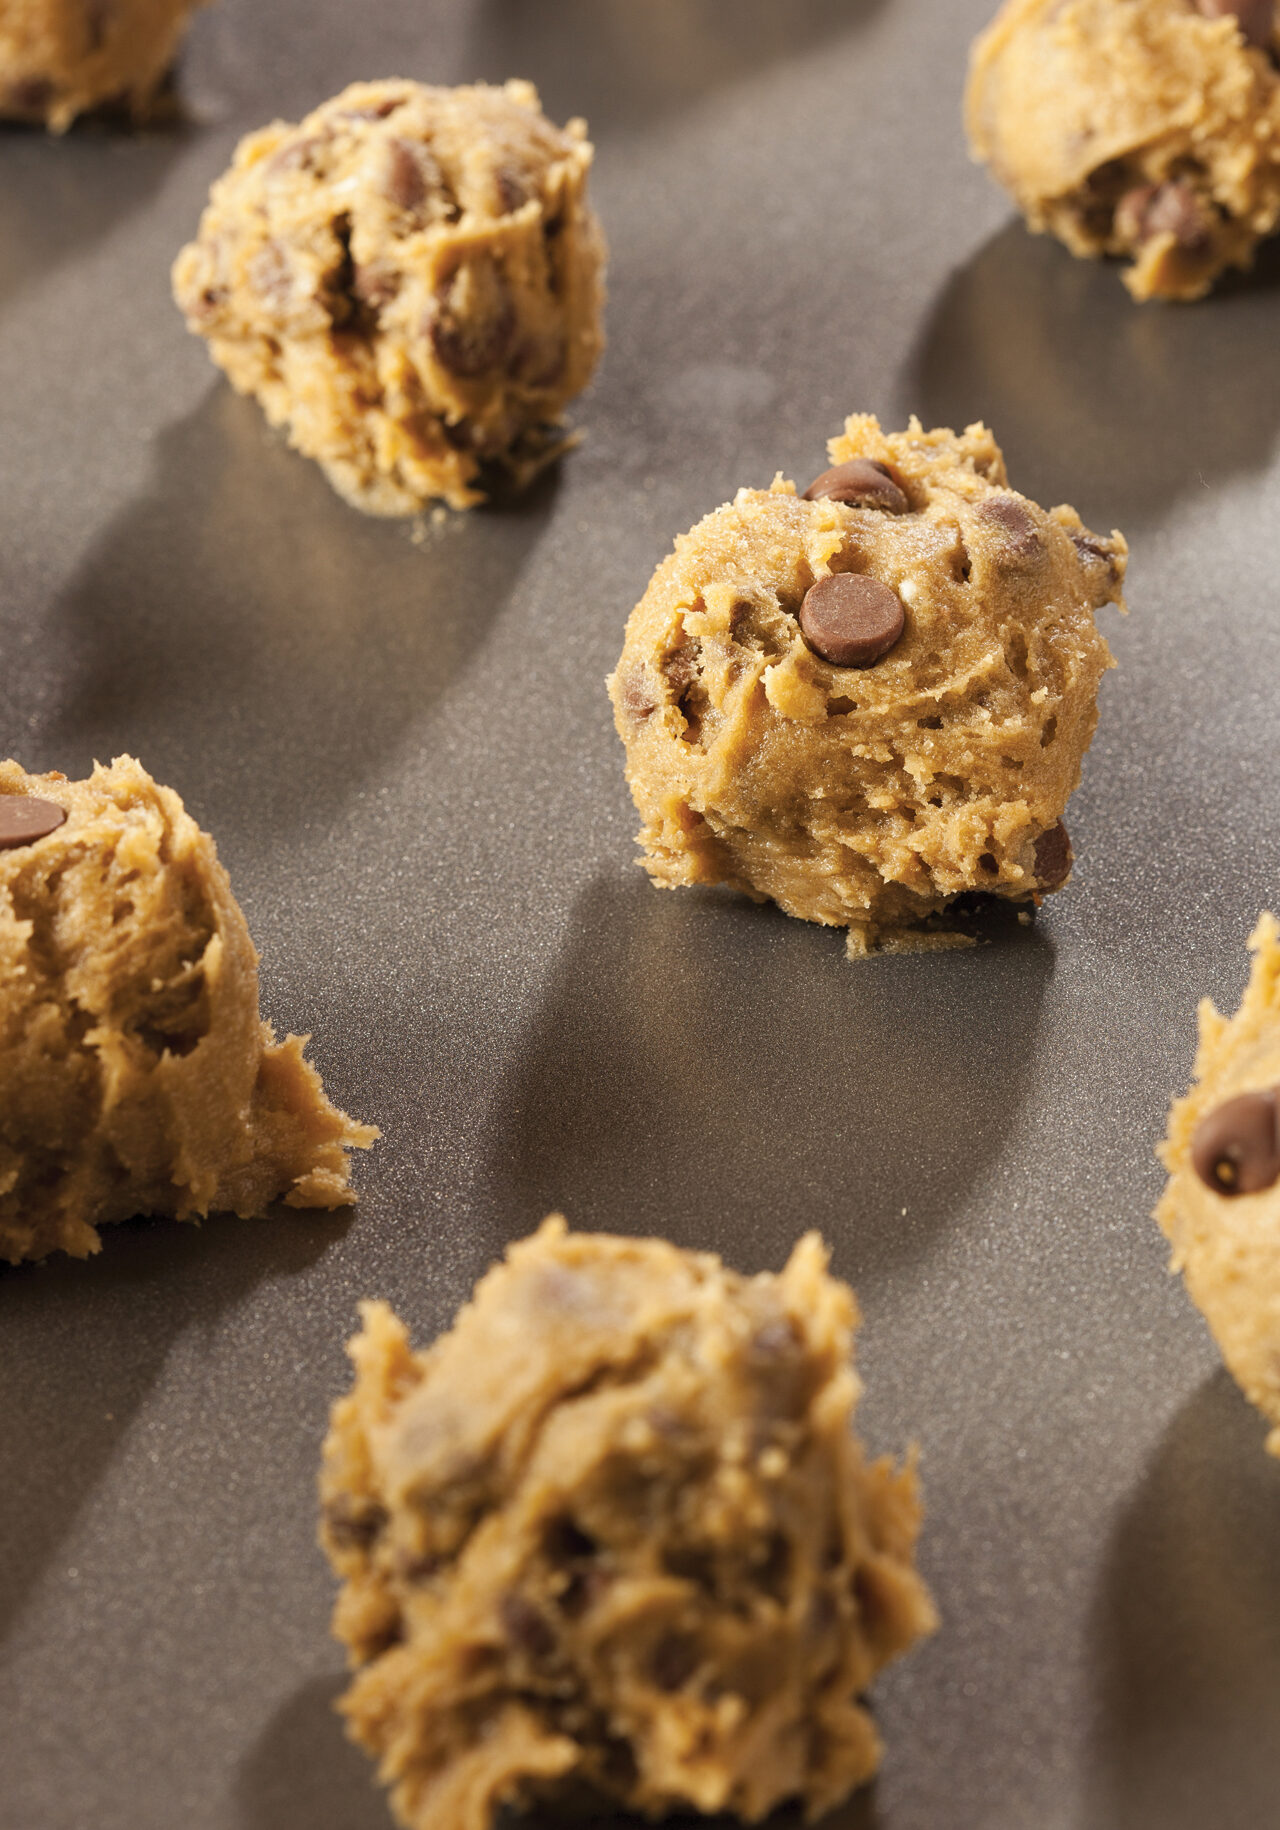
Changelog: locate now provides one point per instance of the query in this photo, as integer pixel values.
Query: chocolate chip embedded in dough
(1053, 858)
(24, 819)
(861, 483)
(1172, 208)
(850, 619)
(404, 183)
(1021, 535)
(525, 1626)
(1256, 18)
(1236, 1149)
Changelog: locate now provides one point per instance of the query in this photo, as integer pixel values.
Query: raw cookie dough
(1148, 129)
(869, 795)
(411, 281)
(59, 58)
(616, 1528)
(136, 1076)
(1221, 1208)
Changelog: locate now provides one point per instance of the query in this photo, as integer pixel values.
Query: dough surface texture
(59, 58)
(1227, 1246)
(869, 797)
(136, 1076)
(615, 1529)
(1140, 128)
(410, 281)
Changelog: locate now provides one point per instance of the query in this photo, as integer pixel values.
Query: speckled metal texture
(405, 753)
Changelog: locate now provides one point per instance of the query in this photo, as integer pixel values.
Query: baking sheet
(405, 754)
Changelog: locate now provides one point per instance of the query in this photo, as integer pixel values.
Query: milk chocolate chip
(1256, 18)
(862, 483)
(1163, 209)
(850, 619)
(24, 819)
(1236, 1149)
(1021, 535)
(1053, 858)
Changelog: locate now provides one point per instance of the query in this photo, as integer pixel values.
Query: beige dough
(1141, 128)
(136, 1076)
(1227, 1245)
(870, 797)
(616, 1528)
(411, 281)
(59, 58)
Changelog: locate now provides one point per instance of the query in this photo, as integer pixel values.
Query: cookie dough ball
(411, 281)
(59, 58)
(136, 1076)
(1148, 129)
(1221, 1208)
(616, 1528)
(868, 700)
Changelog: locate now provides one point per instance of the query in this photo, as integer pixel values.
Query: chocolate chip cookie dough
(871, 699)
(411, 281)
(136, 1076)
(1148, 129)
(616, 1528)
(1221, 1208)
(59, 58)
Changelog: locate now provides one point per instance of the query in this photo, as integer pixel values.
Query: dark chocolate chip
(1053, 858)
(24, 819)
(472, 327)
(354, 1524)
(675, 1659)
(404, 183)
(525, 1626)
(1256, 18)
(850, 619)
(777, 1340)
(512, 194)
(862, 483)
(295, 155)
(1236, 1149)
(1172, 208)
(1022, 536)
(374, 111)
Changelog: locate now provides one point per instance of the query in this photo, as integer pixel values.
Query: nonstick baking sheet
(402, 745)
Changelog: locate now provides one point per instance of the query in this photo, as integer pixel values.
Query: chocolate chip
(861, 483)
(1054, 858)
(850, 619)
(474, 320)
(1236, 1149)
(97, 18)
(405, 180)
(674, 1661)
(375, 286)
(512, 194)
(1021, 535)
(295, 155)
(1172, 208)
(525, 1627)
(680, 667)
(354, 1524)
(30, 95)
(24, 819)
(374, 111)
(1256, 18)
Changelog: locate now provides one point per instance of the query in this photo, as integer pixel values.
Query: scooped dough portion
(869, 795)
(411, 281)
(616, 1528)
(59, 58)
(1148, 129)
(136, 1076)
(1221, 1207)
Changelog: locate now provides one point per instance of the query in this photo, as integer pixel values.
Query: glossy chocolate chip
(861, 483)
(1172, 208)
(404, 182)
(1236, 1149)
(1256, 18)
(24, 819)
(850, 619)
(1021, 535)
(1053, 858)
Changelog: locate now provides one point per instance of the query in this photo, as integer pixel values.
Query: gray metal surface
(405, 753)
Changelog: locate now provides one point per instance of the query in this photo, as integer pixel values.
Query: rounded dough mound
(59, 58)
(616, 1528)
(869, 797)
(1227, 1247)
(1139, 128)
(136, 1076)
(411, 281)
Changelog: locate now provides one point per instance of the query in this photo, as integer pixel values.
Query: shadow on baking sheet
(303, 1774)
(1114, 407)
(622, 65)
(1186, 1632)
(241, 629)
(711, 1070)
(83, 1341)
(61, 194)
